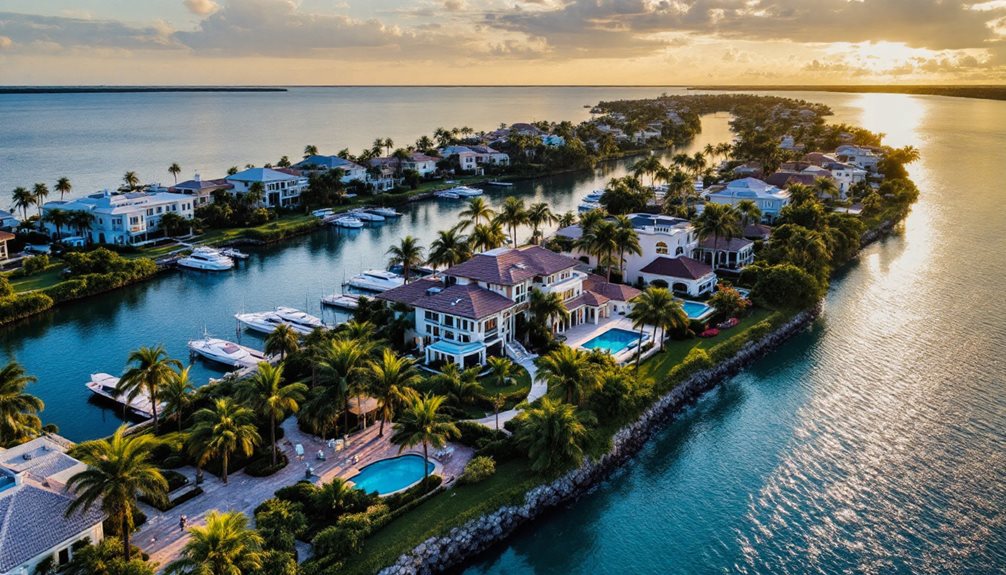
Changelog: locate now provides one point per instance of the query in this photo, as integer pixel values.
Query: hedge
(263, 467)
(20, 306)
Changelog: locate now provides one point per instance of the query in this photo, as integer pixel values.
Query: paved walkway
(163, 539)
(538, 390)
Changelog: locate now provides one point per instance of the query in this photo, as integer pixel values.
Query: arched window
(661, 248)
(679, 251)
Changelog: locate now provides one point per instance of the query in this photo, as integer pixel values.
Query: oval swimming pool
(390, 475)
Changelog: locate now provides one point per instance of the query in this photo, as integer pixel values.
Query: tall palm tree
(131, 180)
(567, 369)
(476, 211)
(553, 434)
(422, 423)
(538, 215)
(118, 469)
(81, 222)
(749, 212)
(343, 368)
(282, 341)
(310, 150)
(666, 312)
(487, 236)
(627, 240)
(501, 371)
(600, 240)
(19, 420)
(224, 546)
(22, 200)
(718, 221)
(40, 192)
(333, 496)
(645, 312)
(647, 166)
(322, 408)
(222, 430)
(255, 194)
(512, 214)
(177, 395)
(450, 248)
(408, 254)
(265, 393)
(63, 186)
(545, 309)
(567, 219)
(678, 187)
(151, 369)
(58, 218)
(174, 169)
(393, 380)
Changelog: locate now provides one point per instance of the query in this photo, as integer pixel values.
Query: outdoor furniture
(299, 450)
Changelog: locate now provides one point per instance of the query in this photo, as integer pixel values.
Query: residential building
(468, 312)
(769, 199)
(201, 190)
(470, 157)
(281, 188)
(682, 275)
(124, 218)
(553, 141)
(421, 163)
(8, 221)
(351, 171)
(732, 254)
(488, 155)
(4, 238)
(34, 525)
(860, 156)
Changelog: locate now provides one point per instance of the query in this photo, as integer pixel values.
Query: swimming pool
(613, 341)
(695, 310)
(390, 475)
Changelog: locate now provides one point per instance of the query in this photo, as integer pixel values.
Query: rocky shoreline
(438, 554)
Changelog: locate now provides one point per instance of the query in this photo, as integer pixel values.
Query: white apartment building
(280, 187)
(123, 218)
(769, 199)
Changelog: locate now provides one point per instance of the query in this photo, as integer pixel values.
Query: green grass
(48, 278)
(440, 513)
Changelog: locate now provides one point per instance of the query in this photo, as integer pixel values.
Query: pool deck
(578, 335)
(163, 539)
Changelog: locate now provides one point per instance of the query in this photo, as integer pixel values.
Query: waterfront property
(4, 238)
(351, 171)
(8, 221)
(387, 476)
(726, 253)
(34, 527)
(681, 274)
(201, 190)
(769, 199)
(124, 218)
(280, 188)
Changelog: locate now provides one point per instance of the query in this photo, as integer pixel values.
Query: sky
(638, 42)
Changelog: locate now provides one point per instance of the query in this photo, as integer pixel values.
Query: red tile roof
(611, 291)
(468, 301)
(679, 267)
(6, 236)
(586, 298)
(511, 266)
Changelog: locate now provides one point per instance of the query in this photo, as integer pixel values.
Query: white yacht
(366, 216)
(588, 206)
(349, 222)
(206, 258)
(268, 321)
(322, 212)
(466, 192)
(234, 253)
(226, 352)
(386, 212)
(447, 195)
(344, 300)
(376, 280)
(299, 318)
(594, 197)
(104, 386)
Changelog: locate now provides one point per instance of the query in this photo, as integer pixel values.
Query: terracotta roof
(680, 267)
(725, 245)
(410, 292)
(507, 266)
(469, 300)
(586, 298)
(6, 236)
(757, 231)
(618, 292)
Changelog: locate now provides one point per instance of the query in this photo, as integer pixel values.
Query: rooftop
(470, 300)
(330, 162)
(509, 266)
(261, 175)
(724, 244)
(680, 267)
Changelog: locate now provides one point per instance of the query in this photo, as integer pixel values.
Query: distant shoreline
(130, 89)
(985, 92)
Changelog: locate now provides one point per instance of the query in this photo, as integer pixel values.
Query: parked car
(38, 248)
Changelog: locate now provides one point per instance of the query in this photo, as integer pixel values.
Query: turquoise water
(390, 475)
(613, 341)
(695, 309)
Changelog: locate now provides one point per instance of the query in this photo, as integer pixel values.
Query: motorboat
(500, 184)
(234, 253)
(446, 195)
(350, 222)
(386, 212)
(105, 386)
(343, 300)
(324, 212)
(594, 197)
(299, 318)
(268, 321)
(226, 352)
(588, 206)
(376, 280)
(466, 191)
(366, 216)
(206, 258)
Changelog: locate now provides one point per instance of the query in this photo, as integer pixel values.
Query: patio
(578, 335)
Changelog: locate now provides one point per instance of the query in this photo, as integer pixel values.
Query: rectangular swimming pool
(613, 341)
(695, 310)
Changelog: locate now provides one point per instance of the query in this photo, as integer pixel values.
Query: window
(448, 321)
(63, 557)
(432, 316)
(661, 248)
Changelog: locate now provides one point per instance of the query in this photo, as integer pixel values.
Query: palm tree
(118, 469)
(800, 194)
(512, 214)
(342, 367)
(718, 220)
(501, 371)
(647, 166)
(678, 186)
(645, 312)
(63, 186)
(222, 430)
(310, 150)
(553, 434)
(265, 393)
(131, 180)
(39, 193)
(22, 200)
(174, 169)
(255, 194)
(476, 211)
(545, 309)
(392, 381)
(487, 236)
(627, 240)
(666, 311)
(224, 546)
(421, 423)
(81, 221)
(408, 254)
(749, 212)
(498, 402)
(322, 409)
(538, 215)
(567, 219)
(567, 369)
(58, 218)
(151, 370)
(389, 144)
(600, 240)
(450, 248)
(19, 420)
(462, 386)
(282, 341)
(333, 496)
(177, 395)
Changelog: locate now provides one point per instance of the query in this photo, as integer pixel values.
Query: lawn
(442, 512)
(50, 277)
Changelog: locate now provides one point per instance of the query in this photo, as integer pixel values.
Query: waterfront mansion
(121, 218)
(469, 311)
(769, 199)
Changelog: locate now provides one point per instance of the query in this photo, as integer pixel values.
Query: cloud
(201, 7)
(57, 32)
(5, 42)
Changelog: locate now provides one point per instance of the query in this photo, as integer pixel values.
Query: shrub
(785, 286)
(34, 265)
(174, 479)
(504, 449)
(478, 469)
(415, 492)
(6, 289)
(473, 433)
(13, 308)
(280, 523)
(301, 492)
(173, 462)
(263, 467)
(337, 541)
